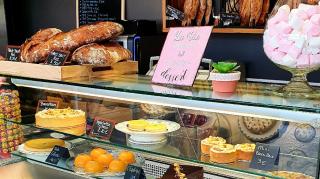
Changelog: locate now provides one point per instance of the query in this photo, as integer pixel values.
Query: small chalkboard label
(57, 58)
(134, 172)
(265, 157)
(102, 128)
(45, 104)
(57, 154)
(13, 53)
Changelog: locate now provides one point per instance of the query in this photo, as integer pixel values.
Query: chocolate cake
(176, 171)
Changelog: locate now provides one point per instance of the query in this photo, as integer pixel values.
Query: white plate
(22, 150)
(171, 126)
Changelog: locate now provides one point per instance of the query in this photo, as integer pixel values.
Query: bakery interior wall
(25, 17)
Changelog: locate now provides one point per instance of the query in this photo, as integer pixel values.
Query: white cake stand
(144, 137)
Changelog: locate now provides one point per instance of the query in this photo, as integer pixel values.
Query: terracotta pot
(225, 82)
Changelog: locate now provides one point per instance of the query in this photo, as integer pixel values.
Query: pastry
(64, 120)
(137, 125)
(223, 153)
(258, 126)
(207, 143)
(156, 128)
(187, 12)
(244, 12)
(100, 54)
(43, 144)
(155, 111)
(177, 171)
(264, 12)
(255, 11)
(194, 9)
(289, 175)
(245, 151)
(117, 166)
(70, 41)
(38, 38)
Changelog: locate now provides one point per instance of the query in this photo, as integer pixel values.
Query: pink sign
(181, 55)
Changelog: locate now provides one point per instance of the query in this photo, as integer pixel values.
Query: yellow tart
(64, 120)
(245, 151)
(43, 144)
(156, 128)
(207, 143)
(223, 153)
(137, 125)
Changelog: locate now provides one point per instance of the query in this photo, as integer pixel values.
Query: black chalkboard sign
(57, 58)
(90, 11)
(265, 157)
(102, 128)
(45, 104)
(13, 53)
(56, 154)
(134, 172)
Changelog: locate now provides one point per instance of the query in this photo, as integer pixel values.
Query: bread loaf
(38, 38)
(208, 11)
(100, 54)
(264, 12)
(244, 12)
(255, 11)
(69, 41)
(187, 12)
(201, 12)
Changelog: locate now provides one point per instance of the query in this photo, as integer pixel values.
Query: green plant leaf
(224, 67)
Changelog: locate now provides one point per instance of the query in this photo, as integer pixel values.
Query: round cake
(207, 143)
(43, 144)
(258, 126)
(63, 120)
(223, 153)
(245, 151)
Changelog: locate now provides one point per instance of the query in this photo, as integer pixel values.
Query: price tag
(56, 154)
(102, 128)
(265, 157)
(45, 104)
(13, 53)
(134, 172)
(57, 58)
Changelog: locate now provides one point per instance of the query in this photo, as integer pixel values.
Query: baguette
(208, 11)
(194, 10)
(244, 11)
(255, 11)
(201, 12)
(100, 54)
(73, 39)
(187, 12)
(38, 38)
(264, 12)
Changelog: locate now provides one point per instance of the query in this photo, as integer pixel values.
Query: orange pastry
(127, 157)
(95, 153)
(245, 151)
(81, 160)
(104, 159)
(223, 153)
(93, 167)
(207, 143)
(117, 166)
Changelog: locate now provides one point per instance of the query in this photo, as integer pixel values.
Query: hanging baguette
(195, 8)
(38, 38)
(208, 11)
(264, 12)
(244, 12)
(255, 11)
(73, 39)
(201, 12)
(187, 10)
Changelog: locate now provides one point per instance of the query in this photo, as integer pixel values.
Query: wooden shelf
(231, 30)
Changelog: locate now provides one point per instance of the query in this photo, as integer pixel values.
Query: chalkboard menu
(134, 172)
(102, 128)
(13, 53)
(265, 157)
(44, 104)
(90, 11)
(56, 154)
(57, 58)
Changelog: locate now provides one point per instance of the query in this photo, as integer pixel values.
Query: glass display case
(250, 115)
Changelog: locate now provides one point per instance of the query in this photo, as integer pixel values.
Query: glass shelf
(251, 99)
(181, 148)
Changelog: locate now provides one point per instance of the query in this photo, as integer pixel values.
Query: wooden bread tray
(48, 72)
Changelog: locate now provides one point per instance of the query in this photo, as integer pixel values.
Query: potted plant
(225, 77)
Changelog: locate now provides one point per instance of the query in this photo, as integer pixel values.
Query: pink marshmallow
(268, 47)
(302, 14)
(313, 10)
(283, 28)
(315, 19)
(314, 60)
(314, 30)
(285, 45)
(294, 52)
(277, 56)
(303, 61)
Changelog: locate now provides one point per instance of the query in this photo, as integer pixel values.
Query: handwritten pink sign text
(181, 55)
